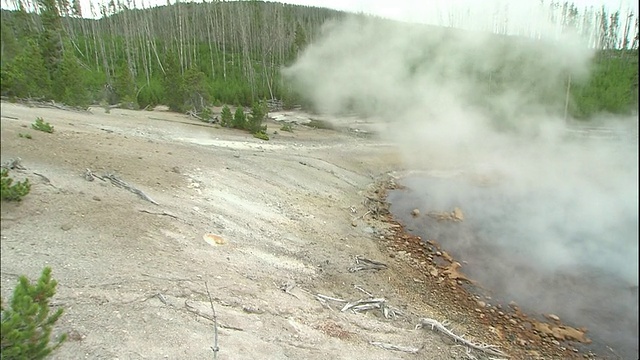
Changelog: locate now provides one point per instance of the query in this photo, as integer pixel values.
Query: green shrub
(262, 135)
(13, 192)
(26, 324)
(321, 124)
(258, 114)
(286, 127)
(226, 119)
(206, 114)
(26, 136)
(239, 119)
(40, 125)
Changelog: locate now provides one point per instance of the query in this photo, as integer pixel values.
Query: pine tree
(173, 83)
(124, 84)
(226, 118)
(68, 83)
(51, 38)
(27, 325)
(258, 113)
(26, 75)
(195, 89)
(239, 119)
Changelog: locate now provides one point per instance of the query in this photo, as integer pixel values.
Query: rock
(457, 214)
(482, 304)
(553, 317)
(354, 224)
(433, 271)
(96, 198)
(65, 227)
(415, 212)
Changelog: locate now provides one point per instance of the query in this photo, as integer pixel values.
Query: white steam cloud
(579, 198)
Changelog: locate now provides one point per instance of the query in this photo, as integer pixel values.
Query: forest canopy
(189, 56)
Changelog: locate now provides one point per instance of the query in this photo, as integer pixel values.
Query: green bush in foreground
(226, 118)
(262, 135)
(26, 324)
(26, 136)
(10, 191)
(286, 127)
(40, 125)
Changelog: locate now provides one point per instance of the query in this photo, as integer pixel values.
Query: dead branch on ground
(376, 207)
(164, 213)
(324, 300)
(374, 303)
(287, 287)
(363, 263)
(215, 347)
(357, 287)
(46, 180)
(386, 346)
(362, 305)
(119, 183)
(192, 309)
(52, 105)
(14, 164)
(442, 327)
(90, 176)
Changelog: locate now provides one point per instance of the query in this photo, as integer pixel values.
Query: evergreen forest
(190, 56)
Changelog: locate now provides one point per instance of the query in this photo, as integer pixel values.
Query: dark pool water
(550, 252)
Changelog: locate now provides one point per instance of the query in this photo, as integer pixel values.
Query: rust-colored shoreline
(518, 334)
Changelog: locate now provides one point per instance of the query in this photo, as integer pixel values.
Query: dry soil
(266, 226)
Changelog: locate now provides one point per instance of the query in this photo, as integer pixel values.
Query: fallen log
(119, 183)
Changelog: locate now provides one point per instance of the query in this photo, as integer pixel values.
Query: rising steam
(429, 85)
(423, 81)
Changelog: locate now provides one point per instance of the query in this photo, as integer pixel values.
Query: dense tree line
(190, 55)
(183, 55)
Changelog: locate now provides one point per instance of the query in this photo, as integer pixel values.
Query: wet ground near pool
(580, 276)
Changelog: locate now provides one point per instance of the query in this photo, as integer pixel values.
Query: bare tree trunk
(224, 41)
(566, 101)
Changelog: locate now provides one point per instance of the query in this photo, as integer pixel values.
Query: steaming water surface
(565, 248)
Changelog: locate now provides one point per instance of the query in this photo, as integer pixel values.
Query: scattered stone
(96, 198)
(415, 212)
(458, 215)
(65, 227)
(252, 310)
(553, 317)
(513, 321)
(522, 342)
(213, 239)
(354, 224)
(482, 304)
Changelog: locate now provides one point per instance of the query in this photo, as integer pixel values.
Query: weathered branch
(442, 327)
(119, 183)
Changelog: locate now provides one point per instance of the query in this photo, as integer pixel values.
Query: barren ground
(288, 213)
